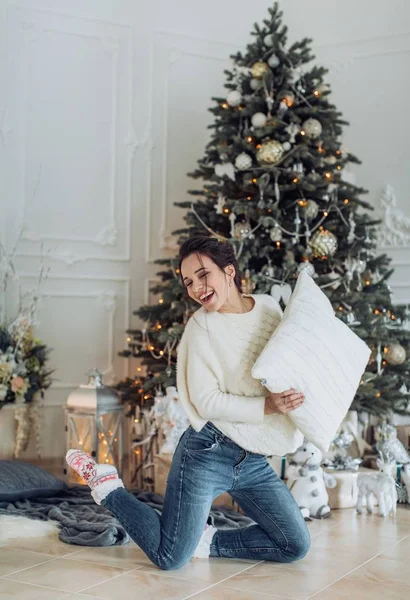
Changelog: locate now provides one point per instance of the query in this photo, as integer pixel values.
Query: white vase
(7, 432)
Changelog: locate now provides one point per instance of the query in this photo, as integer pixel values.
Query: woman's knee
(299, 546)
(171, 563)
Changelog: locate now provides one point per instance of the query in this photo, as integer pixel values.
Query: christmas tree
(275, 184)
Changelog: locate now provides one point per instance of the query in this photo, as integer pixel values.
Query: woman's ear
(230, 271)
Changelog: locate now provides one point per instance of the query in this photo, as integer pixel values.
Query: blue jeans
(204, 465)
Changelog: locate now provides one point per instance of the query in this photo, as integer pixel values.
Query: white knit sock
(102, 479)
(203, 549)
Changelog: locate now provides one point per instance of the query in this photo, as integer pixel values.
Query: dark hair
(220, 252)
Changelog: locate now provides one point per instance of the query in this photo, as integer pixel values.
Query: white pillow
(314, 352)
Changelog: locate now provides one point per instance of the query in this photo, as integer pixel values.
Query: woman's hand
(283, 402)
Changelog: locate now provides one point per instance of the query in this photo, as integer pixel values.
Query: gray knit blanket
(84, 523)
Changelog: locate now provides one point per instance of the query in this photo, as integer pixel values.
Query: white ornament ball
(258, 119)
(255, 83)
(396, 354)
(273, 61)
(275, 234)
(243, 161)
(312, 128)
(307, 267)
(268, 40)
(286, 146)
(330, 160)
(234, 98)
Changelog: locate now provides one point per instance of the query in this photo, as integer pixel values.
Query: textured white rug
(20, 527)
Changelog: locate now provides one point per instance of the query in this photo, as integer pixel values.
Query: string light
(226, 210)
(128, 339)
(367, 282)
(295, 180)
(302, 132)
(139, 369)
(161, 301)
(339, 167)
(378, 395)
(254, 181)
(177, 271)
(346, 200)
(224, 105)
(328, 175)
(249, 197)
(258, 146)
(278, 244)
(250, 139)
(161, 352)
(316, 93)
(326, 214)
(159, 326)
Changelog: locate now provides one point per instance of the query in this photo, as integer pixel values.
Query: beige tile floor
(353, 557)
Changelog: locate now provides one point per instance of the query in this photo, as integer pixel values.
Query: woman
(235, 424)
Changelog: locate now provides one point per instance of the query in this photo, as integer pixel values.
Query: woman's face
(206, 283)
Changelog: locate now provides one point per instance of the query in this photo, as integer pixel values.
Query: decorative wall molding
(394, 231)
(115, 38)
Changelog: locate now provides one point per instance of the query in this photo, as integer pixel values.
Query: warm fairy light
(325, 213)
(328, 175)
(139, 369)
(393, 317)
(159, 326)
(295, 180)
(278, 244)
(316, 93)
(258, 146)
(136, 420)
(378, 395)
(128, 339)
(224, 105)
(105, 442)
(151, 348)
(226, 210)
(146, 397)
(115, 439)
(385, 349)
(340, 308)
(249, 197)
(136, 452)
(161, 301)
(368, 282)
(269, 210)
(338, 152)
(106, 460)
(288, 100)
(177, 271)
(376, 312)
(321, 227)
(240, 107)
(320, 149)
(250, 139)
(254, 180)
(161, 352)
(302, 132)
(80, 443)
(303, 203)
(346, 200)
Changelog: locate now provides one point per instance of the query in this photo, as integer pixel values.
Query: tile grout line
(222, 580)
(30, 567)
(105, 580)
(356, 568)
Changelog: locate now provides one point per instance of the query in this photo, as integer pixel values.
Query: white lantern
(94, 420)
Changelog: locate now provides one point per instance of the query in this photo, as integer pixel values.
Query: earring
(230, 283)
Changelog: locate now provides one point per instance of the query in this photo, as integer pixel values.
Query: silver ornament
(273, 61)
(234, 98)
(286, 146)
(312, 128)
(396, 354)
(243, 161)
(307, 267)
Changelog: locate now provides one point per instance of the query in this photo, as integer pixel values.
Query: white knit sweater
(215, 358)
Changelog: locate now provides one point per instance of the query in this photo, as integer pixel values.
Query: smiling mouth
(207, 298)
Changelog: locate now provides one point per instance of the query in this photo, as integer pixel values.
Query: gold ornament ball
(259, 69)
(311, 209)
(323, 243)
(396, 354)
(270, 152)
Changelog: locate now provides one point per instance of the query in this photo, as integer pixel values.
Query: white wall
(103, 109)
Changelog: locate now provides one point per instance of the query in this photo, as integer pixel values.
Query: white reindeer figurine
(382, 485)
